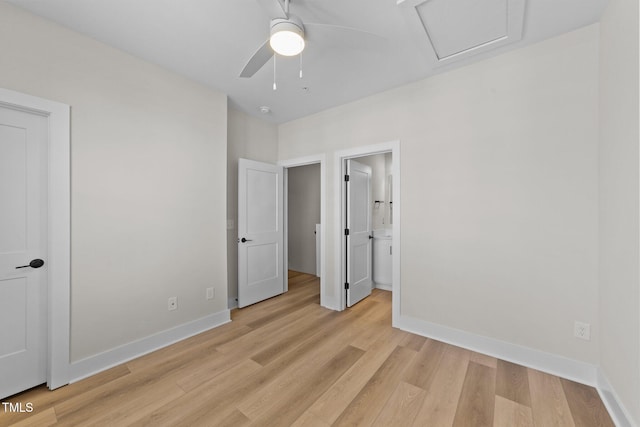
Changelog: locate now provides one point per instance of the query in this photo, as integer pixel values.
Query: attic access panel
(449, 30)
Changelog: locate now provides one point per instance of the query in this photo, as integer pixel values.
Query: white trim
(619, 414)
(339, 222)
(59, 230)
(384, 287)
(94, 364)
(285, 229)
(303, 161)
(564, 367)
(340, 156)
(232, 303)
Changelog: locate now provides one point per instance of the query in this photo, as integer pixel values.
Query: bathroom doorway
(381, 209)
(384, 203)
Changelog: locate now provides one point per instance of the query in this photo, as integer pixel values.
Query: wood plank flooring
(288, 361)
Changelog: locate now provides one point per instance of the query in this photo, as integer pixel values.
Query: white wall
(303, 215)
(248, 138)
(619, 203)
(148, 155)
(499, 191)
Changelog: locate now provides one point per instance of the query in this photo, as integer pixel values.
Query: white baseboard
(564, 367)
(618, 412)
(94, 364)
(232, 303)
(560, 366)
(384, 287)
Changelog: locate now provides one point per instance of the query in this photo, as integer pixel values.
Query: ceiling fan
(288, 35)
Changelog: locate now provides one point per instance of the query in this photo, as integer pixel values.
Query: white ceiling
(210, 41)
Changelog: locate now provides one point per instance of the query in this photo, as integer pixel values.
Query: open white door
(23, 250)
(260, 231)
(359, 231)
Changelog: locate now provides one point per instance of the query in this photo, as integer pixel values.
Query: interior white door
(23, 234)
(358, 215)
(260, 231)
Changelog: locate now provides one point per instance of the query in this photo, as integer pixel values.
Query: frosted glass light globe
(287, 38)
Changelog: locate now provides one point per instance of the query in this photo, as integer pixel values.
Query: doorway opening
(263, 229)
(385, 216)
(303, 218)
(304, 230)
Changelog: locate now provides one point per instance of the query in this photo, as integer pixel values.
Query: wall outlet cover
(582, 330)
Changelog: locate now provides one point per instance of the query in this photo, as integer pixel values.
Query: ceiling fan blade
(258, 59)
(343, 36)
(274, 8)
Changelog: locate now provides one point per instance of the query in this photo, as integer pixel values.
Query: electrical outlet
(173, 303)
(582, 330)
(211, 294)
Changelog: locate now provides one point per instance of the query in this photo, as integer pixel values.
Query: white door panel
(264, 260)
(13, 303)
(260, 231)
(262, 199)
(23, 216)
(359, 265)
(13, 188)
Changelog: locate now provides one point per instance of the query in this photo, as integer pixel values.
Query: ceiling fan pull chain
(300, 64)
(274, 72)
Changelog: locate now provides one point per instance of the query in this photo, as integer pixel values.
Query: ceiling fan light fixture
(287, 37)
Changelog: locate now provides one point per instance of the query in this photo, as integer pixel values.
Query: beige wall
(499, 191)
(148, 156)
(303, 215)
(248, 138)
(619, 203)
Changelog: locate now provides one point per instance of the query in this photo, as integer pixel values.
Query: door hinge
(346, 286)
(346, 178)
(346, 231)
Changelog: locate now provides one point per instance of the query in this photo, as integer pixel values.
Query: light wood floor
(287, 361)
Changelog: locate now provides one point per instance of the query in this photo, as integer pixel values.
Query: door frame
(58, 228)
(304, 161)
(392, 147)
